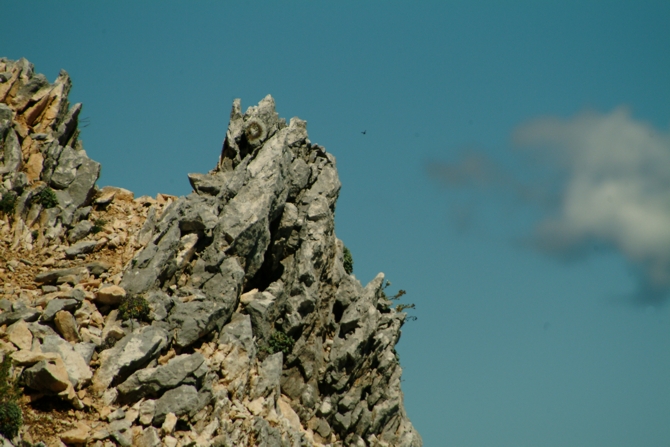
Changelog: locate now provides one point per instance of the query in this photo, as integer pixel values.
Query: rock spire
(224, 318)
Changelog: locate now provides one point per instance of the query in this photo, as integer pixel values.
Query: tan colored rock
(88, 337)
(54, 103)
(289, 414)
(248, 297)
(132, 414)
(19, 334)
(168, 425)
(7, 347)
(113, 330)
(114, 193)
(26, 358)
(106, 196)
(186, 249)
(97, 318)
(77, 435)
(166, 357)
(67, 326)
(34, 166)
(31, 114)
(119, 224)
(256, 406)
(111, 295)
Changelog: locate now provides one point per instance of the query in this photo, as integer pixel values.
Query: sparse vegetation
(11, 417)
(401, 306)
(47, 198)
(135, 307)
(279, 341)
(8, 202)
(98, 226)
(348, 261)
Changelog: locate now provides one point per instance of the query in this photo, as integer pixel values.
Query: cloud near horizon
(614, 190)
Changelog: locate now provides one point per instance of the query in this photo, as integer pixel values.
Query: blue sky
(512, 178)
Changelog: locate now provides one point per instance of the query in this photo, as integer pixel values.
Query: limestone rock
(111, 294)
(56, 305)
(26, 314)
(19, 334)
(77, 435)
(148, 438)
(47, 377)
(151, 381)
(80, 231)
(183, 400)
(27, 358)
(195, 319)
(269, 375)
(132, 352)
(245, 267)
(147, 411)
(51, 276)
(81, 248)
(67, 326)
(77, 368)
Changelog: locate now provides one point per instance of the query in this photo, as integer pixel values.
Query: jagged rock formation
(255, 333)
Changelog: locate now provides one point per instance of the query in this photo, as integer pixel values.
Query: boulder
(152, 381)
(182, 401)
(80, 248)
(269, 376)
(77, 368)
(56, 305)
(110, 294)
(19, 334)
(195, 319)
(67, 326)
(132, 352)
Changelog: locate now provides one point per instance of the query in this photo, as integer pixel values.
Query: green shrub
(134, 307)
(10, 419)
(47, 198)
(8, 202)
(280, 341)
(98, 226)
(10, 413)
(348, 261)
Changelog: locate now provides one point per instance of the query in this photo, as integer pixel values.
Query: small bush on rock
(8, 202)
(280, 341)
(348, 261)
(135, 308)
(11, 417)
(47, 198)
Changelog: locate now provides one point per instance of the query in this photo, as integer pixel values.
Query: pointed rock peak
(249, 131)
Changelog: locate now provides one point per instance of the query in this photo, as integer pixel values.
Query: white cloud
(616, 191)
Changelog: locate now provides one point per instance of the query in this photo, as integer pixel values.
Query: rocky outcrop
(240, 326)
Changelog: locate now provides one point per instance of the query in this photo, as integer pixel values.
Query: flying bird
(364, 132)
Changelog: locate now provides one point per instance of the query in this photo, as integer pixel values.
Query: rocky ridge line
(247, 260)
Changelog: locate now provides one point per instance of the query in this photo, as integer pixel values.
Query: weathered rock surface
(132, 352)
(151, 381)
(253, 332)
(75, 365)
